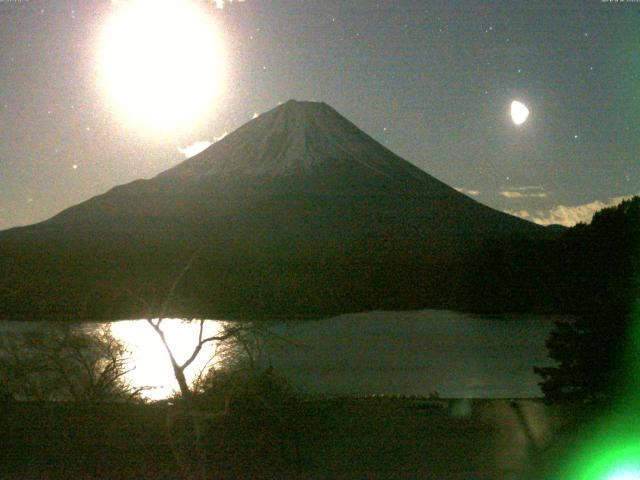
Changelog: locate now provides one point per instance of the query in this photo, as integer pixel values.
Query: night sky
(432, 81)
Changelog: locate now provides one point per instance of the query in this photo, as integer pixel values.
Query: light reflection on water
(398, 353)
(152, 367)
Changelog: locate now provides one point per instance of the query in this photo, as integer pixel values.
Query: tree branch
(174, 285)
(214, 338)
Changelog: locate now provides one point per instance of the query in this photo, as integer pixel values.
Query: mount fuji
(296, 213)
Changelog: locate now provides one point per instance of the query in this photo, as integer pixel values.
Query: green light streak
(611, 454)
(633, 358)
(610, 449)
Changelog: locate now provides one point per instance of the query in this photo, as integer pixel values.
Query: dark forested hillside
(597, 351)
(575, 271)
(591, 271)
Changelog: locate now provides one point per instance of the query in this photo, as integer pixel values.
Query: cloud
(195, 148)
(522, 189)
(524, 192)
(473, 193)
(568, 215)
(220, 3)
(217, 139)
(516, 194)
(199, 145)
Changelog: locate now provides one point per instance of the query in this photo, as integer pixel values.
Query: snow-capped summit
(302, 139)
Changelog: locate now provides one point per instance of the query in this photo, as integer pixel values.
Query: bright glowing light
(161, 63)
(519, 112)
(613, 453)
(625, 473)
(150, 359)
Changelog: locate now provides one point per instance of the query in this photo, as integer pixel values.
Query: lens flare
(625, 473)
(607, 457)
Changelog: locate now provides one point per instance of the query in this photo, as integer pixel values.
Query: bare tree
(228, 332)
(66, 362)
(188, 417)
(189, 409)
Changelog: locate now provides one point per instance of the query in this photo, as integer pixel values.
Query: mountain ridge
(297, 211)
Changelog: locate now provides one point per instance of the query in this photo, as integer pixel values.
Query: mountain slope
(297, 212)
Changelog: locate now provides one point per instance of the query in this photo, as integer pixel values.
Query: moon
(519, 112)
(161, 64)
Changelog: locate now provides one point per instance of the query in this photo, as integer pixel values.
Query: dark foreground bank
(322, 438)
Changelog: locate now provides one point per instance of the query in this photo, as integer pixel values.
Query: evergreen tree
(601, 265)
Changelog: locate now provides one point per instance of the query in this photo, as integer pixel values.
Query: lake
(374, 353)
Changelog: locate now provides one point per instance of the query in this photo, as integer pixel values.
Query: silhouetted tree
(260, 435)
(187, 412)
(66, 362)
(188, 407)
(602, 265)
